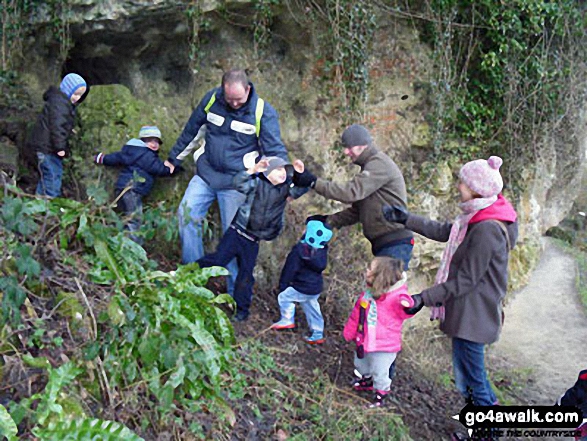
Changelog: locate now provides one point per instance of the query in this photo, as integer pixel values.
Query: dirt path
(546, 329)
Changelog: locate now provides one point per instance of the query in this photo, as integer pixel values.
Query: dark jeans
(401, 251)
(468, 360)
(51, 170)
(245, 250)
(131, 204)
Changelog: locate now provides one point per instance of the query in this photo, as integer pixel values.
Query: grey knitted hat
(356, 135)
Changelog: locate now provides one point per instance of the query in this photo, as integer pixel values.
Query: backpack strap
(258, 111)
(505, 230)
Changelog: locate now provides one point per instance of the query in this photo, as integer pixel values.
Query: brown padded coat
(380, 182)
(477, 279)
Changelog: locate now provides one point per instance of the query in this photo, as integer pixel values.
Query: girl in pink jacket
(375, 324)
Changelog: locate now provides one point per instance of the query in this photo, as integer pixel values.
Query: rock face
(144, 46)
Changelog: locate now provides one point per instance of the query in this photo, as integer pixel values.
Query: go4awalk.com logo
(520, 421)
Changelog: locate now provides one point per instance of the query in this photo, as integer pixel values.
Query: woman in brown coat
(472, 278)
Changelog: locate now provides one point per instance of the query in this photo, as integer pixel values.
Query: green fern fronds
(87, 429)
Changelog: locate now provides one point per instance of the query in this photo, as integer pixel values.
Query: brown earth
(533, 363)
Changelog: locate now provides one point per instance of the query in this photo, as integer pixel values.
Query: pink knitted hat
(483, 176)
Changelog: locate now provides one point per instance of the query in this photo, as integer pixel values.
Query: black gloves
(418, 304)
(395, 213)
(318, 217)
(304, 180)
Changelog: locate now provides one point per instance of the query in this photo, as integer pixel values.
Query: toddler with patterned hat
(140, 159)
(301, 280)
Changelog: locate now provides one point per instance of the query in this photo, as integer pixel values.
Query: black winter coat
(54, 124)
(303, 269)
(261, 215)
(140, 162)
(576, 395)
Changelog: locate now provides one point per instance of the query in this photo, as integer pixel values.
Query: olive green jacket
(379, 183)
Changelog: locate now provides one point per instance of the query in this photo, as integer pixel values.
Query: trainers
(380, 399)
(241, 316)
(316, 338)
(363, 383)
(283, 324)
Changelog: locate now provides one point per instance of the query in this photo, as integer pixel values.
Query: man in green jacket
(380, 182)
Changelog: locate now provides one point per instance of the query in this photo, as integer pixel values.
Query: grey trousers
(376, 365)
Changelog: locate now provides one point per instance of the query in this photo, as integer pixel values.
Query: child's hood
(54, 91)
(135, 142)
(136, 148)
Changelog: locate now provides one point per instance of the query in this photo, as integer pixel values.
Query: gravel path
(546, 328)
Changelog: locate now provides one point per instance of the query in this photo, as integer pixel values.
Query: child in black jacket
(140, 158)
(301, 280)
(52, 130)
(577, 396)
(267, 186)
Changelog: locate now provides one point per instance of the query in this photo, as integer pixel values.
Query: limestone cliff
(144, 47)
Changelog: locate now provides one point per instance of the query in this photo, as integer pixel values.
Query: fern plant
(86, 429)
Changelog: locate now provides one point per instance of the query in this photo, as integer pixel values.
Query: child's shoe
(283, 324)
(316, 338)
(380, 399)
(363, 383)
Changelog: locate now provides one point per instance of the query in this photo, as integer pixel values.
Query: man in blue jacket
(239, 127)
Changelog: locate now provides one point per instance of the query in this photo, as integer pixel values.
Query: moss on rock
(109, 118)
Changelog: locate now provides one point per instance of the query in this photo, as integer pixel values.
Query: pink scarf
(456, 237)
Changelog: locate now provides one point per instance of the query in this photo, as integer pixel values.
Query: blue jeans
(287, 304)
(131, 204)
(246, 251)
(51, 170)
(401, 251)
(468, 359)
(193, 208)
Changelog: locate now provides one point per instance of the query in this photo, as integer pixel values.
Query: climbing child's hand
(298, 166)
(259, 167)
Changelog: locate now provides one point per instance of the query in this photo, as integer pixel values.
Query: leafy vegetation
(16, 24)
(346, 29)
(262, 22)
(509, 78)
(136, 330)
